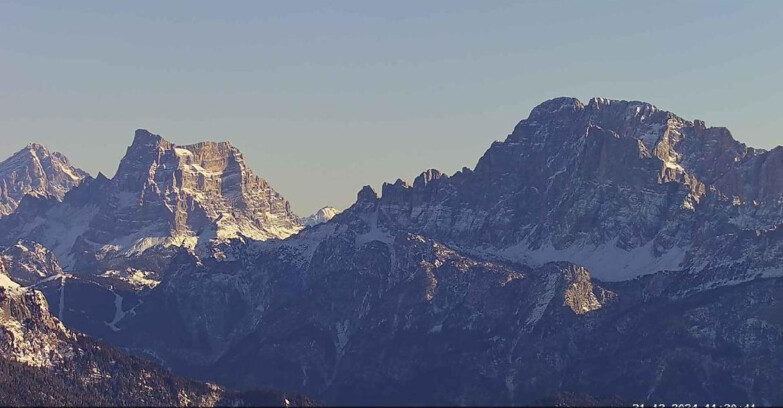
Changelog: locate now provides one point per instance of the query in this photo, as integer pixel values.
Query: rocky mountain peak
(144, 138)
(152, 162)
(366, 194)
(101, 177)
(426, 177)
(324, 214)
(212, 158)
(35, 148)
(37, 171)
(561, 105)
(598, 103)
(162, 196)
(388, 189)
(689, 152)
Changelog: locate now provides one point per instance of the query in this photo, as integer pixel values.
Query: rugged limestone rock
(162, 197)
(35, 170)
(201, 187)
(27, 263)
(28, 333)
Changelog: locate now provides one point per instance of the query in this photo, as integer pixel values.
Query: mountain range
(162, 197)
(610, 249)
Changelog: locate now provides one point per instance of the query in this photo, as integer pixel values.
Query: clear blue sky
(325, 97)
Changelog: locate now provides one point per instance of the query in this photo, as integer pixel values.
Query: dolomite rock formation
(37, 171)
(162, 197)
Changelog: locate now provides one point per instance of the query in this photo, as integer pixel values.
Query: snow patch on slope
(606, 262)
(138, 279)
(543, 301)
(120, 314)
(375, 233)
(60, 229)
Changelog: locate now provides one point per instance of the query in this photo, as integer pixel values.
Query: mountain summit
(35, 170)
(621, 187)
(205, 187)
(162, 197)
(322, 215)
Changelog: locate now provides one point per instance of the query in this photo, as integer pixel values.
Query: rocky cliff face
(162, 197)
(37, 171)
(28, 333)
(27, 263)
(202, 187)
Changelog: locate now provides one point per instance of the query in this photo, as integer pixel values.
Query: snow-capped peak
(323, 215)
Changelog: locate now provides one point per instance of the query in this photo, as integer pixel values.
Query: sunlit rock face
(163, 197)
(201, 189)
(322, 215)
(37, 171)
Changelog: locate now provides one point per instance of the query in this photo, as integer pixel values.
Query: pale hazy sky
(325, 97)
